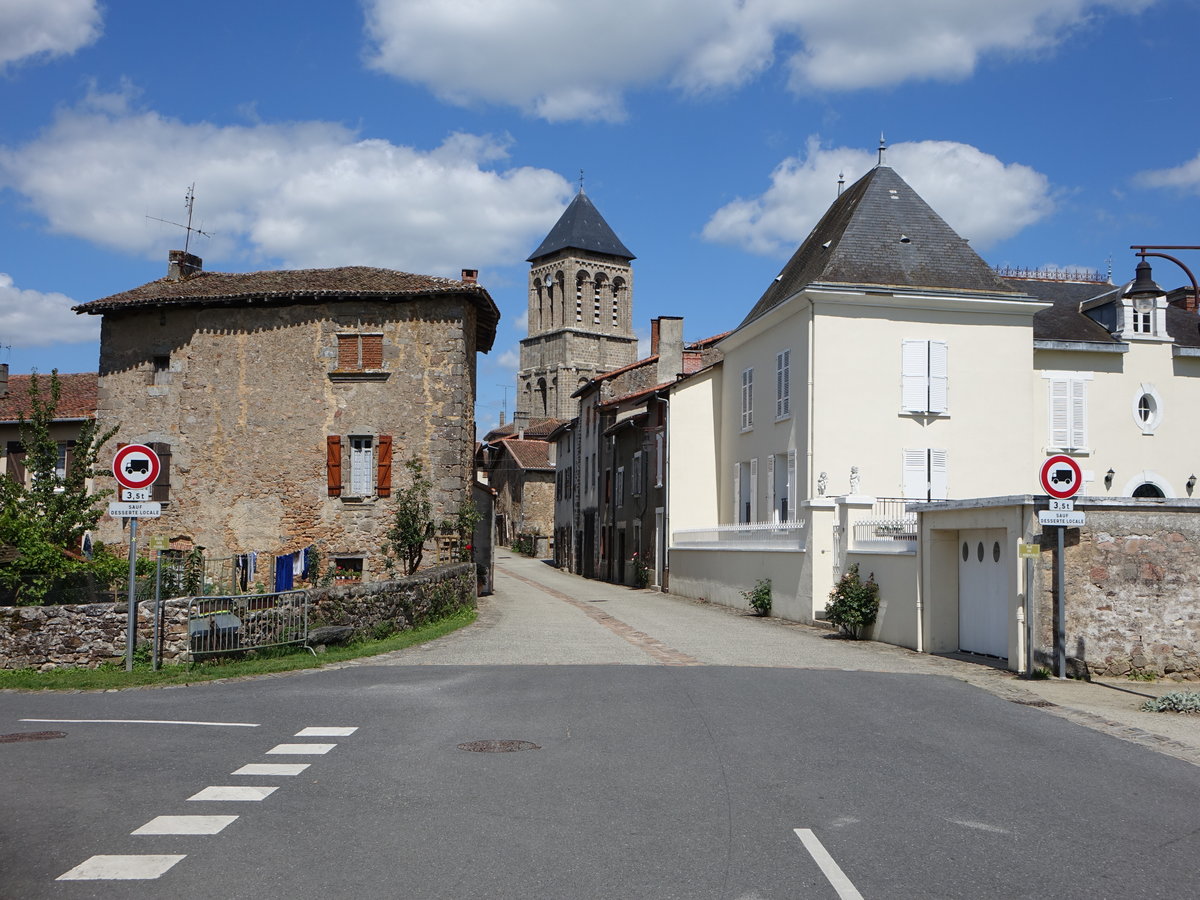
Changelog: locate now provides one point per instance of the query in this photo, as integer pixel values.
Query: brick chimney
(654, 337)
(668, 336)
(520, 423)
(470, 276)
(182, 265)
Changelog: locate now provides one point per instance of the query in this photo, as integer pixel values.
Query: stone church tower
(580, 312)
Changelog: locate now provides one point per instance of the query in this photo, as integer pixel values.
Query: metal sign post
(131, 624)
(1061, 479)
(136, 468)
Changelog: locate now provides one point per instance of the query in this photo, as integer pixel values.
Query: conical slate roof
(880, 232)
(581, 227)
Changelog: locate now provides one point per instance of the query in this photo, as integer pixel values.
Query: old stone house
(76, 405)
(285, 403)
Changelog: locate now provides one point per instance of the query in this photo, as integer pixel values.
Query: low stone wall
(86, 635)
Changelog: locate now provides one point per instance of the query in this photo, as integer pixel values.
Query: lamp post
(1144, 250)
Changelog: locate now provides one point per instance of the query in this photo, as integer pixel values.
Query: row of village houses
(886, 368)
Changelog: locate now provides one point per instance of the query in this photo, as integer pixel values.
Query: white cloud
(510, 359)
(31, 318)
(305, 194)
(980, 197)
(1185, 176)
(575, 59)
(32, 28)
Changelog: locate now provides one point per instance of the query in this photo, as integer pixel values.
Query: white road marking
(120, 868)
(271, 769)
(233, 792)
(837, 878)
(980, 826)
(325, 731)
(302, 749)
(186, 825)
(148, 722)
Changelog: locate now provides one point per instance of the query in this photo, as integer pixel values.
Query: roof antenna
(841, 182)
(882, 147)
(188, 202)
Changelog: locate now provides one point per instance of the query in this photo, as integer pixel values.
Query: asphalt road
(656, 774)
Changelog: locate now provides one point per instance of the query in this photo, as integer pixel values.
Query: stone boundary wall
(86, 635)
(1132, 578)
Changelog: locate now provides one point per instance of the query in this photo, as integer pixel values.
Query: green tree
(42, 523)
(412, 524)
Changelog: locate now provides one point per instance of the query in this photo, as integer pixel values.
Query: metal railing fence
(246, 622)
(887, 524)
(789, 535)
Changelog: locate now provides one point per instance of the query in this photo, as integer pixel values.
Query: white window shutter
(754, 489)
(939, 475)
(783, 387)
(916, 474)
(1078, 414)
(774, 505)
(1060, 413)
(791, 485)
(939, 377)
(737, 492)
(914, 371)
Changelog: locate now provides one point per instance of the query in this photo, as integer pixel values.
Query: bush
(759, 597)
(853, 603)
(1175, 701)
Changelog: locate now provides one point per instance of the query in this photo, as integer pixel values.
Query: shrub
(1175, 701)
(759, 597)
(853, 603)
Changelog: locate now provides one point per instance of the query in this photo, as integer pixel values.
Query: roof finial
(882, 147)
(841, 182)
(581, 181)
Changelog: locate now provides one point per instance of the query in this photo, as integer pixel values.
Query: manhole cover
(31, 736)
(498, 746)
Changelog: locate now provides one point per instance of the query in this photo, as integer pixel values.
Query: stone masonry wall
(86, 635)
(1132, 591)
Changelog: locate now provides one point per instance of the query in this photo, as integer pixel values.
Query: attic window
(359, 358)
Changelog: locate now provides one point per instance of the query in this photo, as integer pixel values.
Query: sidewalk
(540, 615)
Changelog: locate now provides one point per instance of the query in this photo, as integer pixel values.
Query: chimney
(182, 265)
(3, 380)
(520, 421)
(470, 276)
(501, 418)
(669, 335)
(654, 337)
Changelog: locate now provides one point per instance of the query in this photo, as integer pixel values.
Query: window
(660, 460)
(745, 491)
(620, 498)
(1068, 410)
(367, 464)
(924, 377)
(747, 399)
(926, 474)
(1147, 409)
(160, 370)
(781, 479)
(783, 384)
(360, 352)
(638, 479)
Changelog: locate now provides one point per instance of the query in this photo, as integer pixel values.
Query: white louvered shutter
(939, 377)
(754, 489)
(772, 493)
(791, 485)
(914, 372)
(916, 474)
(783, 379)
(1078, 414)
(939, 475)
(1060, 413)
(737, 492)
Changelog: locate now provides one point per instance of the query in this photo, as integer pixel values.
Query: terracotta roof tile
(76, 401)
(529, 454)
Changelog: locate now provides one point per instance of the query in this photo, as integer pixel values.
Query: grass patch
(264, 662)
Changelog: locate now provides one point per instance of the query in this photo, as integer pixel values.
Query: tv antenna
(188, 202)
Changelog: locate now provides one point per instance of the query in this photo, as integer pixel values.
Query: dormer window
(1142, 315)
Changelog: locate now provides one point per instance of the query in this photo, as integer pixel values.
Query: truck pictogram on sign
(136, 466)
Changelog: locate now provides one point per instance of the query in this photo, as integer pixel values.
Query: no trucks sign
(136, 466)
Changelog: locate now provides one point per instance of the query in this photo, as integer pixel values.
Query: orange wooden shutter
(383, 477)
(348, 360)
(372, 351)
(333, 464)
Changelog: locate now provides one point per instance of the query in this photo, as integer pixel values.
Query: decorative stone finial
(854, 479)
(822, 483)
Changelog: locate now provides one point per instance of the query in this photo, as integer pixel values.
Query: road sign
(141, 495)
(160, 542)
(1063, 519)
(136, 466)
(1056, 505)
(1061, 477)
(135, 510)
(1028, 551)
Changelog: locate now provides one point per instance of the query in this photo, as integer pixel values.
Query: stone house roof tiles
(76, 401)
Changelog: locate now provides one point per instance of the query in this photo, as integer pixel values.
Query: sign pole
(1060, 604)
(131, 625)
(154, 650)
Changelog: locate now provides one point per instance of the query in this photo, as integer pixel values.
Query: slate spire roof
(880, 232)
(581, 227)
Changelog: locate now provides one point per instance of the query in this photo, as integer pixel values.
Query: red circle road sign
(1061, 477)
(136, 466)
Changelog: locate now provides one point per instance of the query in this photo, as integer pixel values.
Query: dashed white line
(271, 769)
(325, 731)
(186, 825)
(121, 868)
(234, 792)
(837, 878)
(302, 749)
(147, 722)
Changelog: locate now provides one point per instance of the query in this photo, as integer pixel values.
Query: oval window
(1145, 409)
(966, 552)
(996, 552)
(979, 552)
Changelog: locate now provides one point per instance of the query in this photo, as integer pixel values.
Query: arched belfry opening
(580, 311)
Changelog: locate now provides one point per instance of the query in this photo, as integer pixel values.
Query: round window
(996, 552)
(979, 552)
(966, 552)
(1148, 490)
(1145, 408)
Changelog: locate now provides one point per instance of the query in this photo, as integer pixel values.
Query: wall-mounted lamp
(1108, 477)
(1191, 483)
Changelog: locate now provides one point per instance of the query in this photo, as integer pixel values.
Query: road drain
(498, 746)
(31, 736)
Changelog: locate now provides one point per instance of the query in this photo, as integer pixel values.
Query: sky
(436, 135)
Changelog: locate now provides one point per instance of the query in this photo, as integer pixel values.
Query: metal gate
(246, 622)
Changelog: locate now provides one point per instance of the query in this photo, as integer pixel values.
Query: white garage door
(983, 592)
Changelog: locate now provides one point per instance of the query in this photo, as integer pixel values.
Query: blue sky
(436, 135)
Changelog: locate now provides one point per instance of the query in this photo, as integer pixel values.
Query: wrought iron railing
(887, 524)
(772, 535)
